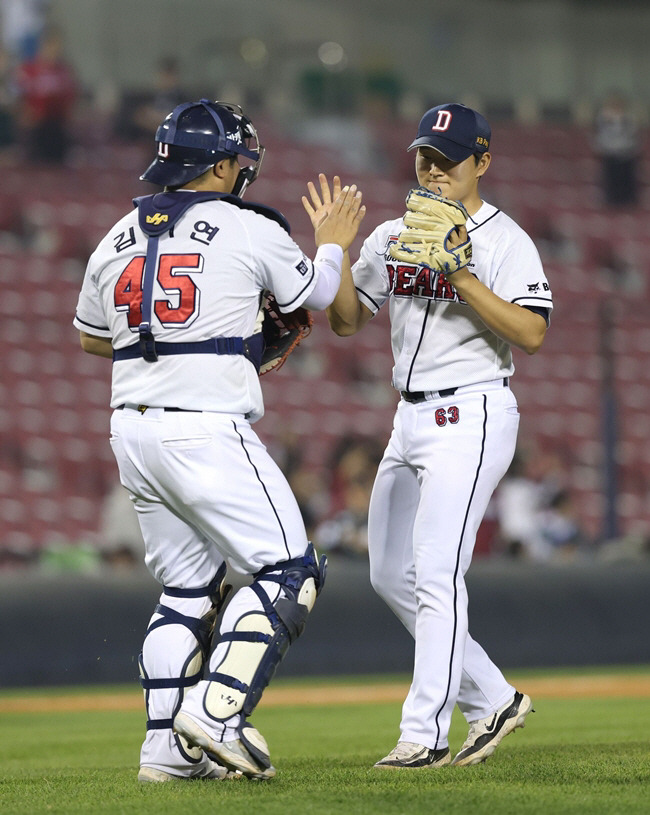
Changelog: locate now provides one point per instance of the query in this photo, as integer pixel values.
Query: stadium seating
(56, 466)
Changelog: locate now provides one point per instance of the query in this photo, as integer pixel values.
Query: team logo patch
(158, 218)
(533, 288)
(302, 267)
(443, 121)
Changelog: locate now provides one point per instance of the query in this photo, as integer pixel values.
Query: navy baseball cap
(454, 130)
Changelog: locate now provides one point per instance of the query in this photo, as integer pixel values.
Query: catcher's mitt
(282, 333)
(430, 220)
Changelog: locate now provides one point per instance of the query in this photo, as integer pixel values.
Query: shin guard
(174, 651)
(246, 657)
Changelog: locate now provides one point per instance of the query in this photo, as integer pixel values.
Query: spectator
(353, 466)
(535, 510)
(22, 23)
(7, 105)
(518, 500)
(560, 527)
(346, 532)
(144, 115)
(120, 540)
(618, 143)
(47, 93)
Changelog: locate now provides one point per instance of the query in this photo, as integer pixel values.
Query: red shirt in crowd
(48, 89)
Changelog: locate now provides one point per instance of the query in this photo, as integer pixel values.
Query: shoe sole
(510, 725)
(442, 762)
(148, 775)
(196, 737)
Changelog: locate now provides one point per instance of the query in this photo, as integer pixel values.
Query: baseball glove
(430, 220)
(282, 333)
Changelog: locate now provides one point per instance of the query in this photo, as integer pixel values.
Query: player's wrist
(460, 278)
(331, 253)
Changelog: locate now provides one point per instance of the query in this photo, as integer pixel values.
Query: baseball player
(463, 284)
(172, 294)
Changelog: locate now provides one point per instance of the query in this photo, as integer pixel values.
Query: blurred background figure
(353, 466)
(617, 138)
(120, 542)
(535, 512)
(7, 106)
(47, 93)
(22, 23)
(346, 532)
(145, 113)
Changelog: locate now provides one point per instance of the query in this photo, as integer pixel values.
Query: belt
(142, 409)
(422, 396)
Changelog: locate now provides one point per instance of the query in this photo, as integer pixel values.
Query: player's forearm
(346, 314)
(516, 325)
(327, 264)
(99, 346)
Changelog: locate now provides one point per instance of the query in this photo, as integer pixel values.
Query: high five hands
(336, 214)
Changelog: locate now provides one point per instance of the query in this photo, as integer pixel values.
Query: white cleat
(407, 754)
(215, 772)
(485, 734)
(248, 755)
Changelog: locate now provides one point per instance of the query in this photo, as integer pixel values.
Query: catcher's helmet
(197, 135)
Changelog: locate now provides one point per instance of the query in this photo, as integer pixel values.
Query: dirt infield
(565, 687)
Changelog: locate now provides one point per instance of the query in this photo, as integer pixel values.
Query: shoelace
(406, 748)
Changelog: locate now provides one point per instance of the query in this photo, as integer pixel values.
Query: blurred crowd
(532, 516)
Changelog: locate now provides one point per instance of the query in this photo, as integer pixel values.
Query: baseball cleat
(414, 756)
(215, 772)
(248, 754)
(485, 734)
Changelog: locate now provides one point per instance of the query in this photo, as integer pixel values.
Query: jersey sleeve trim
(544, 302)
(83, 325)
(301, 294)
(543, 312)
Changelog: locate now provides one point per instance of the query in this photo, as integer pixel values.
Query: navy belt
(421, 396)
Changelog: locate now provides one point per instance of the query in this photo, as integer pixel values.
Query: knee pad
(174, 651)
(260, 638)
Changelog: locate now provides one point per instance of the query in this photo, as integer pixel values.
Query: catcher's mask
(197, 135)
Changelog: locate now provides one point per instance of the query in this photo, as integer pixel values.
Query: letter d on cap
(443, 121)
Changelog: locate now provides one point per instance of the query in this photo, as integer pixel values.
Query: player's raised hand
(335, 215)
(321, 204)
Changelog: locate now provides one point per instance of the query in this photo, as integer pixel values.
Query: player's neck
(472, 203)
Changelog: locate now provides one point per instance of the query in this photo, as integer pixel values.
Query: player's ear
(482, 164)
(219, 169)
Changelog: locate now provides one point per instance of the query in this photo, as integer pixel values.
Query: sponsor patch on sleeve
(303, 267)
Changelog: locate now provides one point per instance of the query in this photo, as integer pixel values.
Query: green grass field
(576, 755)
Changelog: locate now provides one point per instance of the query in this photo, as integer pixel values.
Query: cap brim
(449, 149)
(168, 174)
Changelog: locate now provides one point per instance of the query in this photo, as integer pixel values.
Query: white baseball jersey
(210, 275)
(446, 455)
(438, 341)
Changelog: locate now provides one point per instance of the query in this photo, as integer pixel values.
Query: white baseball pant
(444, 459)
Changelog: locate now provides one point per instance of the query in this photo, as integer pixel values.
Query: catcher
(464, 284)
(172, 294)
